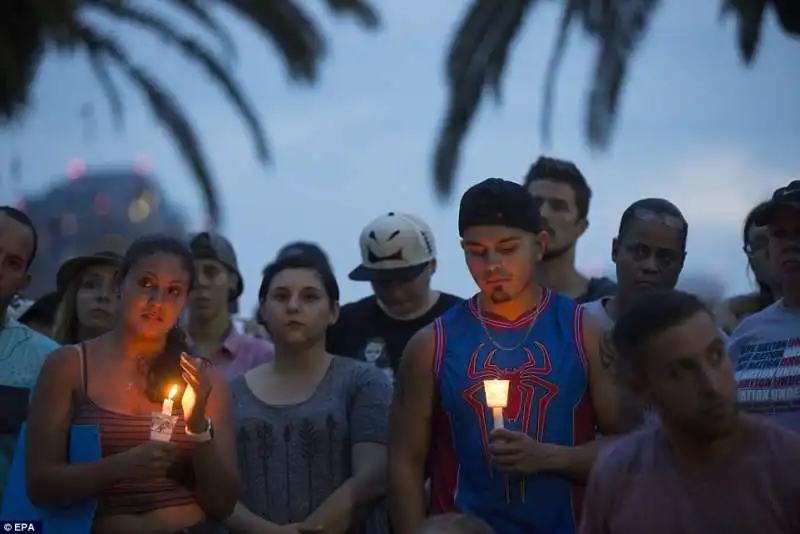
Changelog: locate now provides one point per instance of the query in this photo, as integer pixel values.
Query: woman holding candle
(89, 299)
(311, 426)
(117, 381)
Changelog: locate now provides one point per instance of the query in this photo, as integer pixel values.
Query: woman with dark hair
(89, 301)
(116, 382)
(311, 426)
(730, 312)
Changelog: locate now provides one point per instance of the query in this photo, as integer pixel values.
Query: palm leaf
(788, 15)
(751, 15)
(163, 106)
(476, 60)
(361, 10)
(21, 48)
(571, 9)
(290, 28)
(109, 88)
(284, 23)
(622, 23)
(479, 53)
(196, 52)
(199, 12)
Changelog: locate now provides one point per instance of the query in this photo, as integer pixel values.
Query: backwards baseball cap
(212, 246)
(394, 247)
(787, 196)
(498, 202)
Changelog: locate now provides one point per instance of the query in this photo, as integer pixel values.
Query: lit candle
(496, 398)
(166, 408)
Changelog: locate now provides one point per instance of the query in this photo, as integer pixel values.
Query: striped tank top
(122, 432)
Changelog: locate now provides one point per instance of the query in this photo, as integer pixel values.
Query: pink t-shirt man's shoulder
(637, 486)
(241, 352)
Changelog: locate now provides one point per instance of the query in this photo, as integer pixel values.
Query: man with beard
(765, 347)
(398, 258)
(564, 197)
(22, 351)
(702, 467)
(526, 477)
(648, 252)
(213, 334)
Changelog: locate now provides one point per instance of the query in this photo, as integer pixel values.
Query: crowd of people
(624, 407)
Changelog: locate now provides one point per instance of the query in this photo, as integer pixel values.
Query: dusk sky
(695, 127)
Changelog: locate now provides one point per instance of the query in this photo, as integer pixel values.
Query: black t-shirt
(365, 332)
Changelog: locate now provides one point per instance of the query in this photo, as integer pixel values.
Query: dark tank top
(122, 432)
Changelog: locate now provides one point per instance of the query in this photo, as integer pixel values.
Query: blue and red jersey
(548, 400)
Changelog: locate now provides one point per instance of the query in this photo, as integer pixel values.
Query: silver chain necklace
(494, 342)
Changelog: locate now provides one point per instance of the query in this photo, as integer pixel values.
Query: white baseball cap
(394, 247)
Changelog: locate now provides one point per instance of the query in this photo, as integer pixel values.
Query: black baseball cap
(499, 202)
(72, 267)
(787, 196)
(212, 246)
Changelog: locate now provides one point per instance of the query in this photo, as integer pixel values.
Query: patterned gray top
(293, 457)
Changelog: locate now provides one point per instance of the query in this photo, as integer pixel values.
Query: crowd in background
(370, 416)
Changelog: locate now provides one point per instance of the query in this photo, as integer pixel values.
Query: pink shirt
(241, 352)
(638, 487)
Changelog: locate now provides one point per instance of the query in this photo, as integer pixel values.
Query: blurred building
(93, 209)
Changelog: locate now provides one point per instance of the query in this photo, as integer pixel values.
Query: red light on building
(142, 165)
(75, 169)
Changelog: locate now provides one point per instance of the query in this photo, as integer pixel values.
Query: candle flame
(496, 393)
(172, 392)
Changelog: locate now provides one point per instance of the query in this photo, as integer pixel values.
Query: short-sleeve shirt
(637, 486)
(23, 352)
(240, 352)
(365, 332)
(765, 350)
(293, 457)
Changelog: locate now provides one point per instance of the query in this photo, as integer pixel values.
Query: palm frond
(750, 15)
(109, 88)
(199, 12)
(360, 9)
(293, 32)
(788, 15)
(477, 59)
(198, 53)
(163, 106)
(622, 23)
(21, 48)
(571, 9)
(468, 37)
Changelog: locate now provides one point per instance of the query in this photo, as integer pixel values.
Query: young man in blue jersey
(528, 477)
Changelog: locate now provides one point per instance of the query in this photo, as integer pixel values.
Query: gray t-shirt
(638, 487)
(294, 457)
(765, 350)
